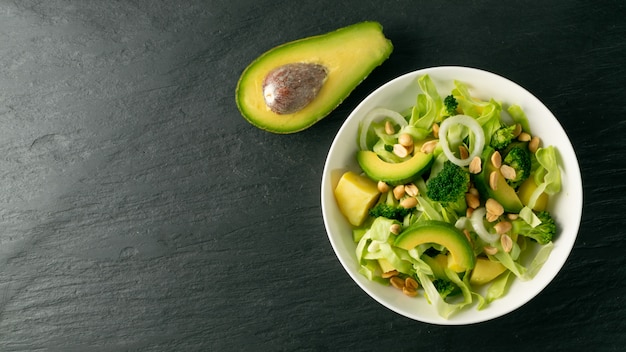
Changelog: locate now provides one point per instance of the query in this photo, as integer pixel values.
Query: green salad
(452, 203)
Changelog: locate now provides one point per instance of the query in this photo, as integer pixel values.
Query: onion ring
(376, 114)
(474, 127)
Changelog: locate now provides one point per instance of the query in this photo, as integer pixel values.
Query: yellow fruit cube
(453, 265)
(355, 195)
(526, 190)
(485, 271)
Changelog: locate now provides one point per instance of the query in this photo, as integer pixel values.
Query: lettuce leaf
(519, 116)
(548, 172)
(428, 107)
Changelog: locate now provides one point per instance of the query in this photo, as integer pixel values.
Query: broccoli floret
(518, 157)
(389, 207)
(449, 185)
(502, 137)
(445, 287)
(450, 105)
(542, 233)
(393, 212)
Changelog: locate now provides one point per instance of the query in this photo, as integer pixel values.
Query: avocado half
(348, 54)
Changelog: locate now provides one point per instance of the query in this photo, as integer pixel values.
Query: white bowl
(400, 94)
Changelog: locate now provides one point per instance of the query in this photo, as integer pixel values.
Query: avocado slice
(393, 173)
(504, 193)
(442, 233)
(347, 55)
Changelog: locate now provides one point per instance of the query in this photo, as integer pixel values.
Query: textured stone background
(140, 212)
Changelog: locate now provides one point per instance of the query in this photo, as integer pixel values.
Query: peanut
(507, 243)
(389, 129)
(406, 140)
(523, 137)
(496, 159)
(409, 202)
(475, 165)
(493, 180)
(508, 172)
(400, 150)
(398, 191)
(411, 189)
(533, 145)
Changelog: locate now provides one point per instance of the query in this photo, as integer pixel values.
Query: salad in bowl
(452, 195)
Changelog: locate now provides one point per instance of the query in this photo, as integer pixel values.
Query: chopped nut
(523, 137)
(436, 130)
(491, 217)
(389, 274)
(398, 191)
(507, 243)
(490, 250)
(429, 146)
(389, 129)
(493, 180)
(463, 152)
(472, 200)
(410, 282)
(400, 150)
(517, 130)
(411, 292)
(469, 212)
(533, 145)
(411, 189)
(474, 191)
(406, 140)
(492, 206)
(508, 172)
(409, 202)
(395, 229)
(383, 187)
(502, 227)
(396, 282)
(496, 159)
(512, 216)
(475, 165)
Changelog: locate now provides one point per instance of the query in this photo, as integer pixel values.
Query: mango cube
(355, 195)
(485, 271)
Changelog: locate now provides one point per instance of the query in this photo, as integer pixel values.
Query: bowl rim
(574, 189)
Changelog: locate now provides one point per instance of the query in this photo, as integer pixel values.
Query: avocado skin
(350, 54)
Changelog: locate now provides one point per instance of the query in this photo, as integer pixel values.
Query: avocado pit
(289, 88)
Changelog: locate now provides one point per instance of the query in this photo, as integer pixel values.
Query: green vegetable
(502, 137)
(429, 105)
(518, 157)
(445, 287)
(486, 113)
(519, 116)
(542, 233)
(389, 211)
(449, 185)
(450, 104)
(548, 172)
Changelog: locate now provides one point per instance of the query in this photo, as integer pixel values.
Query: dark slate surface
(140, 212)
